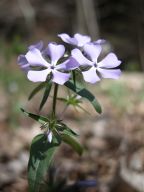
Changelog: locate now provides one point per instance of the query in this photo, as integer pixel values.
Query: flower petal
(49, 136)
(80, 58)
(99, 42)
(78, 39)
(23, 63)
(61, 66)
(22, 60)
(59, 77)
(38, 45)
(67, 65)
(38, 76)
(56, 52)
(93, 51)
(109, 73)
(34, 58)
(67, 39)
(110, 61)
(90, 75)
(72, 64)
(82, 39)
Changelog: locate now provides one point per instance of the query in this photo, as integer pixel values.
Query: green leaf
(41, 155)
(46, 94)
(63, 128)
(72, 142)
(37, 89)
(69, 131)
(40, 119)
(85, 94)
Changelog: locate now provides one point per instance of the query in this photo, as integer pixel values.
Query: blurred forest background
(119, 22)
(113, 141)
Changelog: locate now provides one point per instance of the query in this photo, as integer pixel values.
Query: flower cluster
(53, 62)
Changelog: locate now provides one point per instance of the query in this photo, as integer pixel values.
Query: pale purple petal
(78, 39)
(90, 75)
(34, 58)
(72, 64)
(62, 66)
(93, 51)
(80, 58)
(23, 63)
(59, 77)
(49, 136)
(38, 76)
(25, 68)
(110, 61)
(22, 60)
(99, 42)
(38, 45)
(56, 52)
(110, 73)
(67, 39)
(82, 39)
(69, 64)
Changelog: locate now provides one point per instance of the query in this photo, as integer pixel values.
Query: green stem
(55, 99)
(74, 77)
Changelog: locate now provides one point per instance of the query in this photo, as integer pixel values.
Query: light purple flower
(22, 61)
(38, 68)
(77, 40)
(103, 67)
